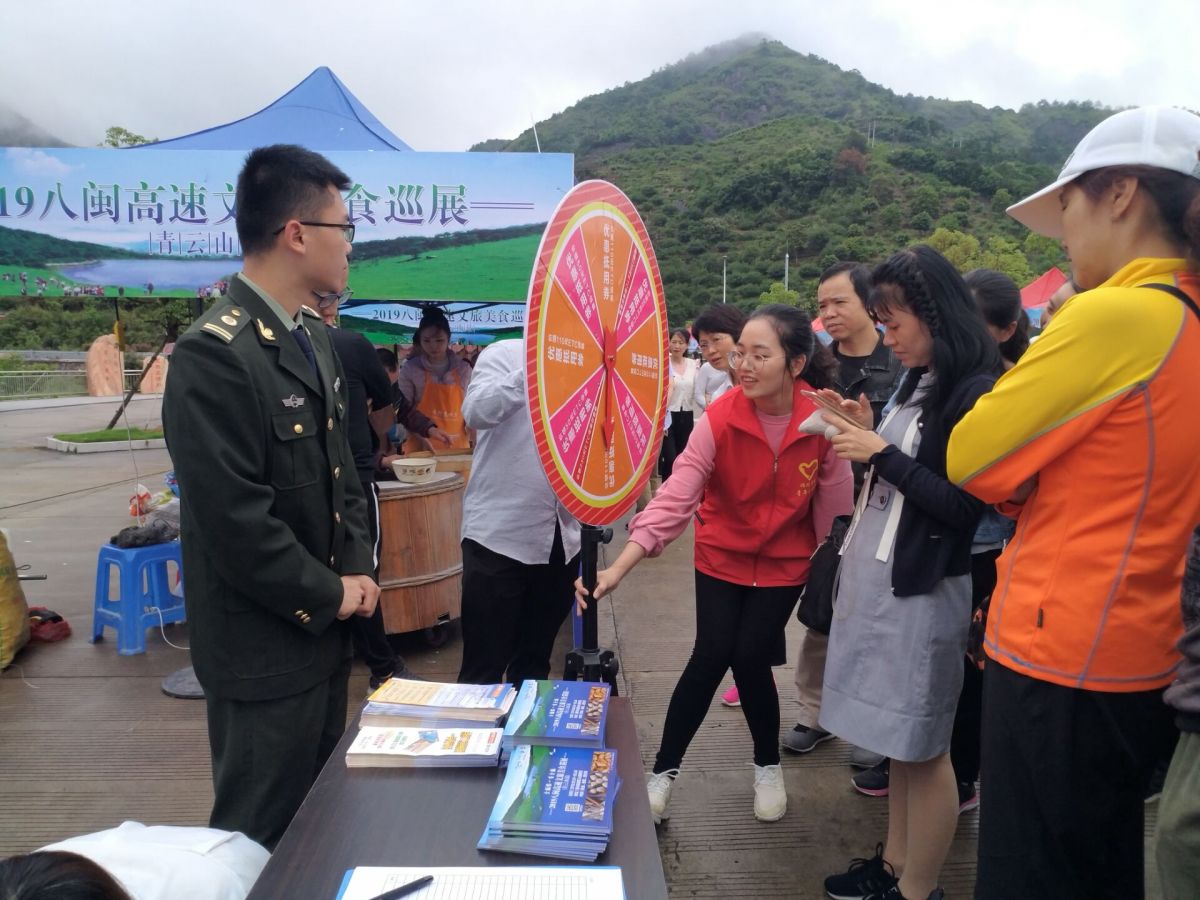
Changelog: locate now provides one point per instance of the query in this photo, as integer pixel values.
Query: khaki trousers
(810, 675)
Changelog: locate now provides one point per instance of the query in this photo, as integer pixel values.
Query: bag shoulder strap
(1177, 294)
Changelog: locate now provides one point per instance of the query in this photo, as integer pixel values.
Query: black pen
(405, 889)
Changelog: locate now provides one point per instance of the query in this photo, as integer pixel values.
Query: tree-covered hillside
(19, 247)
(750, 151)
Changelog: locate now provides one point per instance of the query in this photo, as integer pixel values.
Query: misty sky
(445, 74)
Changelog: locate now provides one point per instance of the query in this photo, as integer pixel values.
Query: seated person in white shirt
(138, 862)
(520, 546)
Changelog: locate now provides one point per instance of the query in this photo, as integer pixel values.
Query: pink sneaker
(731, 698)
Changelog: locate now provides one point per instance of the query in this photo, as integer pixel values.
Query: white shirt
(683, 386)
(710, 381)
(167, 862)
(509, 506)
(725, 385)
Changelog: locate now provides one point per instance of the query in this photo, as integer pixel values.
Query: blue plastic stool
(144, 583)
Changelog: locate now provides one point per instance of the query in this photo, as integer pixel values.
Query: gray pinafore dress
(895, 664)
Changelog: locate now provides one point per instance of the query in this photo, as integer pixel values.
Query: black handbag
(816, 600)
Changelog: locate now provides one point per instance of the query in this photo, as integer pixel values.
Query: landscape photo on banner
(459, 228)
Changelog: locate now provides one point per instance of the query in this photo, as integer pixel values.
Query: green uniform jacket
(272, 511)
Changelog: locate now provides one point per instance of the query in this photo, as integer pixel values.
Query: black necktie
(301, 337)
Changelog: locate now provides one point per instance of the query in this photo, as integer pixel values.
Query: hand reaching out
(606, 582)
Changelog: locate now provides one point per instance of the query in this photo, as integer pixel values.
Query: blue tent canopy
(319, 113)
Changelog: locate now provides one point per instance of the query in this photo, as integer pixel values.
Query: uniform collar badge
(266, 332)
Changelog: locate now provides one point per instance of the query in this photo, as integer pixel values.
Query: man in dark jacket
(370, 391)
(865, 368)
(275, 548)
(865, 365)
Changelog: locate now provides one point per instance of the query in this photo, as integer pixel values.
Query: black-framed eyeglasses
(347, 229)
(326, 299)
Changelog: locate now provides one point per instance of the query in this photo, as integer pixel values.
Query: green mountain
(31, 248)
(749, 151)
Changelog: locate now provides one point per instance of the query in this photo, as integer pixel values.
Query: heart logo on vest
(809, 469)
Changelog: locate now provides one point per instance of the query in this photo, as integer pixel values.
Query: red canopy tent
(1037, 293)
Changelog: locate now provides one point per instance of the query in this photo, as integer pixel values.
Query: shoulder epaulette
(224, 322)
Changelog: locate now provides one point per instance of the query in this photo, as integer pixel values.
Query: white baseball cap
(1159, 136)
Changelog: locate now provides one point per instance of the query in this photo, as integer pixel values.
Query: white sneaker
(658, 786)
(770, 798)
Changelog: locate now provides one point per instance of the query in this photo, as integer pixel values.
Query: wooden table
(434, 817)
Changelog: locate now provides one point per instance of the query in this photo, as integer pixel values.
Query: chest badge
(293, 402)
(808, 471)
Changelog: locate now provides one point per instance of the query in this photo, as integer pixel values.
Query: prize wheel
(596, 353)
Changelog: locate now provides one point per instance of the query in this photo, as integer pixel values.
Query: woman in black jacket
(903, 605)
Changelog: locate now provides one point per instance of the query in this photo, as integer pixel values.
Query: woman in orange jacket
(1092, 439)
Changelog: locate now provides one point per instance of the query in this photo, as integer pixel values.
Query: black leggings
(738, 627)
(674, 441)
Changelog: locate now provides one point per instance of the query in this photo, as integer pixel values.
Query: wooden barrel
(420, 557)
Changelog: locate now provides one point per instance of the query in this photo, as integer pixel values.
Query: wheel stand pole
(589, 662)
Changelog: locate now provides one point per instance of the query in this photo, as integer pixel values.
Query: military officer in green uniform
(275, 549)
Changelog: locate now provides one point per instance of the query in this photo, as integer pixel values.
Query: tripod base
(592, 665)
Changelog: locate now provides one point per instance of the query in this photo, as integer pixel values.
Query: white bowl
(414, 471)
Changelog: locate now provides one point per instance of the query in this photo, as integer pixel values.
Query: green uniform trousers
(266, 754)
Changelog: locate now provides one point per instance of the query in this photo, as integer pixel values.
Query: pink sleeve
(669, 512)
(834, 495)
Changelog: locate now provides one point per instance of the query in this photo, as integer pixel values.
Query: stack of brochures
(399, 703)
(558, 714)
(556, 802)
(424, 747)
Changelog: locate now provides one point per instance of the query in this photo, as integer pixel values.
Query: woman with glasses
(763, 495)
(435, 381)
(716, 330)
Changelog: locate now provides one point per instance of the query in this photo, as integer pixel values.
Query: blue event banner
(114, 218)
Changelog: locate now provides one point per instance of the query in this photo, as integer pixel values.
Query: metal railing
(33, 383)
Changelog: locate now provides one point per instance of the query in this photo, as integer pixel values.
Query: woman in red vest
(763, 495)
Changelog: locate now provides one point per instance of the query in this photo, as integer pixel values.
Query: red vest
(754, 526)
